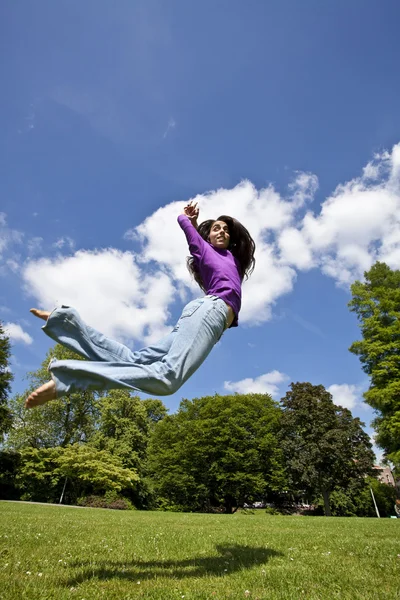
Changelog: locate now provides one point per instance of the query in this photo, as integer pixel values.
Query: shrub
(272, 511)
(109, 500)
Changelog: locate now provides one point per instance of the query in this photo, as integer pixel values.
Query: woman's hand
(191, 210)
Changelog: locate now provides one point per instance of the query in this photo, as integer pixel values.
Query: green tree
(37, 477)
(217, 451)
(324, 446)
(376, 302)
(124, 428)
(95, 471)
(5, 383)
(43, 472)
(65, 421)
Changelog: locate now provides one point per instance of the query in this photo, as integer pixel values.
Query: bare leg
(43, 394)
(41, 314)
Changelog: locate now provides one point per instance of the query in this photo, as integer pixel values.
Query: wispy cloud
(170, 126)
(304, 323)
(35, 245)
(64, 242)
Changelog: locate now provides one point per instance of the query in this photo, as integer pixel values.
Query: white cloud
(357, 225)
(303, 188)
(294, 249)
(345, 395)
(108, 289)
(17, 334)
(264, 384)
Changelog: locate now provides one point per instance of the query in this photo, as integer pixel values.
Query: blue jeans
(159, 370)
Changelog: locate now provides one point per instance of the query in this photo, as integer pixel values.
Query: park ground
(54, 552)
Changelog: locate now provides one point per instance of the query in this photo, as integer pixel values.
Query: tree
(324, 446)
(5, 383)
(95, 469)
(43, 471)
(217, 450)
(65, 421)
(356, 499)
(376, 303)
(124, 428)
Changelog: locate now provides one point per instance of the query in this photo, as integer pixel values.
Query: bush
(165, 505)
(272, 511)
(109, 500)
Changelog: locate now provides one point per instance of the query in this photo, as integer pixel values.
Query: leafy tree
(376, 303)
(356, 499)
(43, 472)
(217, 450)
(37, 477)
(65, 421)
(124, 427)
(324, 446)
(5, 383)
(155, 410)
(95, 469)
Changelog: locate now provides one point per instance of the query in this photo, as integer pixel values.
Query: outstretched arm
(188, 222)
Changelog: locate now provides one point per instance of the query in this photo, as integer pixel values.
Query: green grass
(55, 552)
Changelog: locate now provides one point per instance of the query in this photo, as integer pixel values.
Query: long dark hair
(241, 244)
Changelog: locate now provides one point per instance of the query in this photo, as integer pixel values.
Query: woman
(222, 255)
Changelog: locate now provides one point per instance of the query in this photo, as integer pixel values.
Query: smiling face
(219, 235)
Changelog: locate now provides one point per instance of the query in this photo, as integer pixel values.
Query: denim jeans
(159, 369)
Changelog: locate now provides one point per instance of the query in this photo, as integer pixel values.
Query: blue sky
(284, 114)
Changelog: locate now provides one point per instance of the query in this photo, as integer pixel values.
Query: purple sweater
(219, 269)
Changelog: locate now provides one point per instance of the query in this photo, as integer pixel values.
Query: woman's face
(219, 235)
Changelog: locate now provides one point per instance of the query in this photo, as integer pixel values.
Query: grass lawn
(50, 552)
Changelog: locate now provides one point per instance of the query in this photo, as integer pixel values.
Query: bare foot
(43, 394)
(42, 314)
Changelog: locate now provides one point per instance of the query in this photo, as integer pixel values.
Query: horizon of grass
(58, 552)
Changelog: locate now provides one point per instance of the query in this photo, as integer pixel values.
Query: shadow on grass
(231, 559)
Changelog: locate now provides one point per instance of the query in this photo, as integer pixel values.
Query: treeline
(216, 453)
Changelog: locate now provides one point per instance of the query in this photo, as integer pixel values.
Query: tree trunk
(62, 493)
(228, 506)
(327, 508)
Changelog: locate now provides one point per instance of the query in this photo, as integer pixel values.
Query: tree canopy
(376, 302)
(323, 444)
(217, 451)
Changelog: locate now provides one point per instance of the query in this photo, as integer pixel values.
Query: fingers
(192, 208)
(193, 205)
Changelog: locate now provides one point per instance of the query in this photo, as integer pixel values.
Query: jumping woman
(222, 255)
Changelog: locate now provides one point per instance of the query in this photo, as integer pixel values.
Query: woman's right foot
(41, 314)
(43, 394)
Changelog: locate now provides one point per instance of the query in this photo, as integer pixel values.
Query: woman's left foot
(41, 314)
(43, 394)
